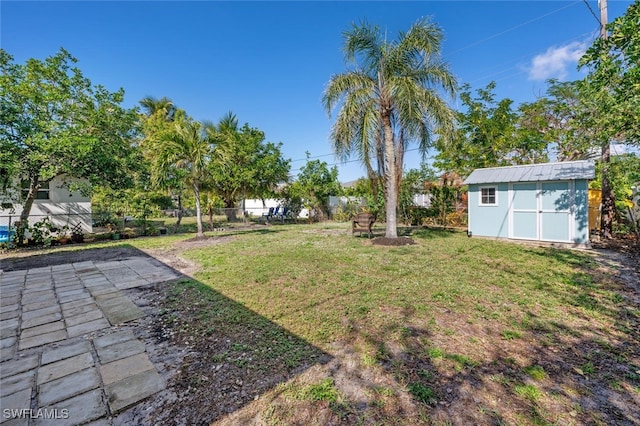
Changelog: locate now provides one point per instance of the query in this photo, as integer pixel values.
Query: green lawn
(451, 330)
(497, 331)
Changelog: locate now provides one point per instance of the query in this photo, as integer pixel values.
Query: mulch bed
(399, 241)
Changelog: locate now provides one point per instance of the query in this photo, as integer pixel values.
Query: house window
(43, 191)
(488, 196)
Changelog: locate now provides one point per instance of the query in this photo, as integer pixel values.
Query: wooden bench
(363, 223)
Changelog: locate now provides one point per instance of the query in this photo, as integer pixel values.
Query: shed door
(541, 211)
(555, 211)
(525, 211)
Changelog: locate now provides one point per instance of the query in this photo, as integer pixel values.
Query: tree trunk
(399, 160)
(196, 194)
(391, 196)
(34, 185)
(230, 210)
(210, 217)
(175, 229)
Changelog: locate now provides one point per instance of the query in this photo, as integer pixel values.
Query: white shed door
(525, 219)
(541, 211)
(555, 211)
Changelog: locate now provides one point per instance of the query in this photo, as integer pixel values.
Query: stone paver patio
(63, 358)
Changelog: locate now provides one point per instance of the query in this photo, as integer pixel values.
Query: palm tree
(184, 152)
(164, 106)
(390, 98)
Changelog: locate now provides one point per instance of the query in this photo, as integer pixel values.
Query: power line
(352, 161)
(464, 48)
(511, 29)
(592, 12)
(312, 157)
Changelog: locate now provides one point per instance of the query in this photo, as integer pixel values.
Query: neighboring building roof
(568, 170)
(350, 184)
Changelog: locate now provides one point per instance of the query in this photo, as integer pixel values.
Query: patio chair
(269, 214)
(283, 215)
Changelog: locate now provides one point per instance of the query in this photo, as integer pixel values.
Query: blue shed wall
(489, 221)
(581, 212)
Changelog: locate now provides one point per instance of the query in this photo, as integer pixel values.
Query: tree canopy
(316, 182)
(614, 72)
(242, 164)
(54, 122)
(390, 97)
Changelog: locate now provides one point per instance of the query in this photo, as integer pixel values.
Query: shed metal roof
(568, 170)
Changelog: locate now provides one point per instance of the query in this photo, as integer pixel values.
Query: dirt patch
(203, 242)
(399, 241)
(27, 259)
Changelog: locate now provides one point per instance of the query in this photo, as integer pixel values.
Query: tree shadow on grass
(529, 380)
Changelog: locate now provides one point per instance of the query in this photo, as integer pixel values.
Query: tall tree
(54, 122)
(485, 134)
(614, 84)
(184, 153)
(389, 98)
(316, 182)
(163, 107)
(243, 165)
(158, 122)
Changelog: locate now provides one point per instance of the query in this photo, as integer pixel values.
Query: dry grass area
(305, 324)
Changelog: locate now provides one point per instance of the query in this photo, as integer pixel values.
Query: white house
(55, 201)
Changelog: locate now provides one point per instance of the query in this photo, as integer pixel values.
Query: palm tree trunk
(399, 154)
(196, 193)
(391, 230)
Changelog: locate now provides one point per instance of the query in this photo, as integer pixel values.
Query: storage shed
(541, 202)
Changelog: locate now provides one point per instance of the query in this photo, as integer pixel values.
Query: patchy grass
(450, 330)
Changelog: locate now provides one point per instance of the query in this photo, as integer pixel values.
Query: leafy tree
(613, 85)
(532, 138)
(491, 134)
(413, 183)
(183, 153)
(624, 174)
(158, 123)
(569, 116)
(444, 194)
(54, 122)
(614, 70)
(315, 183)
(243, 165)
(390, 97)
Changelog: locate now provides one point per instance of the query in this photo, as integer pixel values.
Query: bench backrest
(365, 218)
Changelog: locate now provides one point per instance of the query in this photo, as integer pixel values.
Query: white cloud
(554, 62)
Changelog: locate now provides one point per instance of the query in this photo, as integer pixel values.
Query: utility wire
(511, 29)
(459, 50)
(355, 160)
(592, 12)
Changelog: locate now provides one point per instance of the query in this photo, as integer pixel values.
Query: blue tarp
(5, 235)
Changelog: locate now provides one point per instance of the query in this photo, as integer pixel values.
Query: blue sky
(269, 62)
